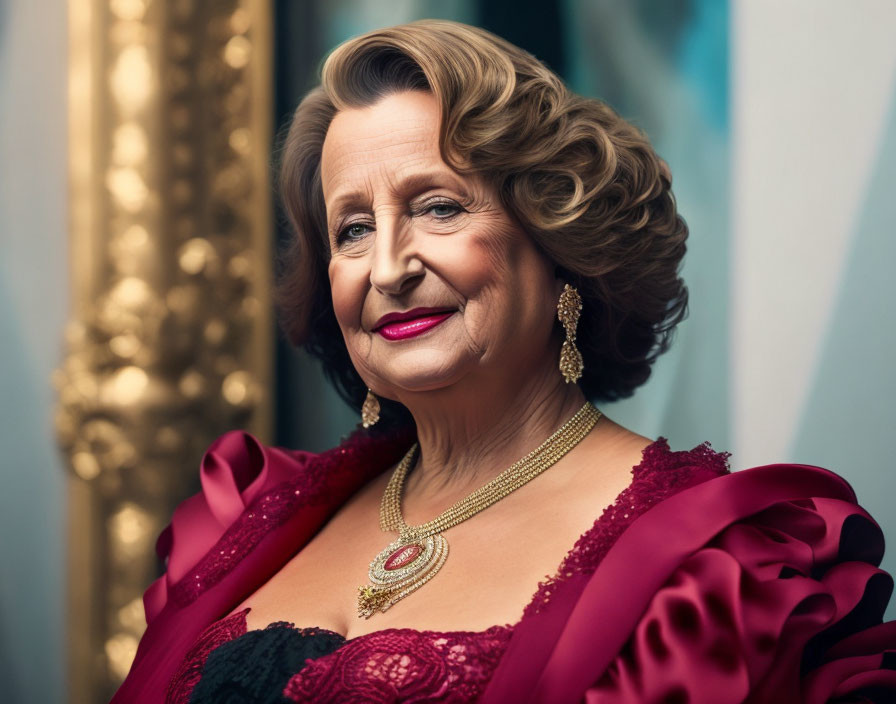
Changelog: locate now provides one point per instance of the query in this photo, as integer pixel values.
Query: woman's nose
(394, 263)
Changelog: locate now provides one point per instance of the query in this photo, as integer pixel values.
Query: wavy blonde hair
(585, 184)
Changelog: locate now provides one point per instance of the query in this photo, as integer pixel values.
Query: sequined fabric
(332, 470)
(660, 474)
(427, 666)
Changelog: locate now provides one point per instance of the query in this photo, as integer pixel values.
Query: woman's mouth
(400, 326)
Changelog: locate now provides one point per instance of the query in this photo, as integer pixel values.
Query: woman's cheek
(349, 284)
(469, 262)
(347, 289)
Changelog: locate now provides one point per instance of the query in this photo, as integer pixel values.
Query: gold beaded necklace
(419, 552)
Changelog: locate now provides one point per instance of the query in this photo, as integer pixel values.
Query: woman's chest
(491, 569)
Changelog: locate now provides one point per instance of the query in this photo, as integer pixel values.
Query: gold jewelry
(370, 410)
(568, 310)
(412, 559)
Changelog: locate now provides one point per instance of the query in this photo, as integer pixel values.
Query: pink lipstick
(401, 326)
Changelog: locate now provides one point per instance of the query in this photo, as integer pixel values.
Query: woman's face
(433, 283)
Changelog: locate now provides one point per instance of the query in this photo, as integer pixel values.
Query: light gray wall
(813, 325)
(33, 309)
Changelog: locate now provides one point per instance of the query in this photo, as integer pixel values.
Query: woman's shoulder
(238, 469)
(659, 457)
(661, 464)
(663, 472)
(249, 489)
(775, 569)
(761, 584)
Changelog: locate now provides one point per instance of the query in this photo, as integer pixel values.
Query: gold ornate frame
(170, 344)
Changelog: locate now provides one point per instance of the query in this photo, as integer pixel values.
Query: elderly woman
(479, 252)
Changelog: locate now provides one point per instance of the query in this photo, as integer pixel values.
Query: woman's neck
(468, 435)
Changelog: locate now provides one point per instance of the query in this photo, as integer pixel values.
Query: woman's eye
(444, 210)
(440, 211)
(353, 232)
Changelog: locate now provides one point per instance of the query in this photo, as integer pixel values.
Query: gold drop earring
(370, 410)
(569, 308)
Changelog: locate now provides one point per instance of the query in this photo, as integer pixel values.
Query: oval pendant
(402, 567)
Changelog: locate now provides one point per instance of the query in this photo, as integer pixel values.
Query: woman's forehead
(394, 137)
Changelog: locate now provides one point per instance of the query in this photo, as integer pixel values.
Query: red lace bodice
(402, 664)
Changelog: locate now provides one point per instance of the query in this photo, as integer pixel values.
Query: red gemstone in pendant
(402, 557)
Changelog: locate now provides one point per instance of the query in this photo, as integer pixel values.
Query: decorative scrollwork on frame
(170, 339)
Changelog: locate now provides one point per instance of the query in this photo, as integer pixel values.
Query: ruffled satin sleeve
(785, 605)
(236, 470)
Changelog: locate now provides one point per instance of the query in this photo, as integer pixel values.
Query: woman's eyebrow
(416, 183)
(348, 201)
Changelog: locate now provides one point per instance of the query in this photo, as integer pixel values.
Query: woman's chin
(420, 371)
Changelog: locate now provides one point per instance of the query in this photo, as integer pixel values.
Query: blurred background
(138, 230)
